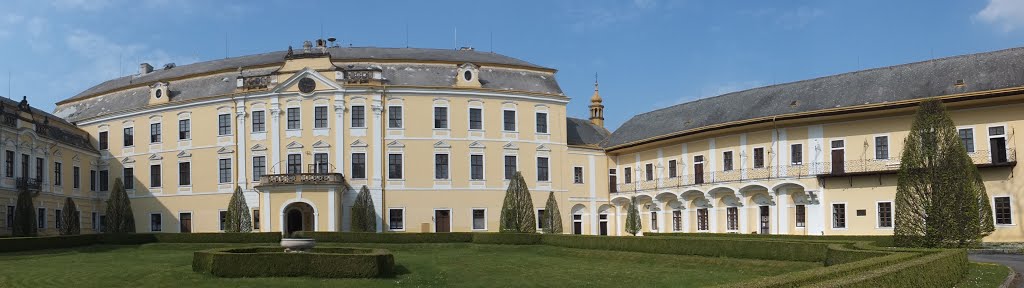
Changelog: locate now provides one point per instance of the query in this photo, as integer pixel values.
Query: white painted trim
(192, 219)
(403, 218)
(888, 146)
(471, 218)
(1012, 223)
(892, 215)
(832, 215)
(150, 221)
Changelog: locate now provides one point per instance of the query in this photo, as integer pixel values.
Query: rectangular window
(476, 163)
(224, 124)
(540, 219)
(542, 169)
(256, 219)
(154, 176)
(628, 173)
(41, 218)
(294, 163)
(294, 118)
(77, 174)
(358, 165)
(320, 117)
(1003, 212)
(839, 216)
(394, 166)
(479, 219)
(322, 164)
(542, 122)
(25, 159)
(702, 219)
(440, 117)
(577, 175)
(727, 161)
(104, 180)
(184, 129)
(885, 214)
(129, 178)
(509, 119)
(612, 181)
(57, 219)
(56, 174)
(92, 180)
(103, 223)
(677, 220)
(996, 131)
(801, 215)
(184, 173)
(9, 163)
(732, 218)
(223, 219)
(758, 157)
(154, 133)
(39, 168)
(259, 121)
(440, 166)
(103, 140)
(95, 222)
(224, 170)
(672, 169)
(129, 137)
(259, 167)
(510, 167)
(654, 221)
(358, 116)
(10, 217)
(396, 217)
(649, 171)
(476, 118)
(394, 116)
(796, 154)
(155, 222)
(882, 147)
(185, 222)
(967, 138)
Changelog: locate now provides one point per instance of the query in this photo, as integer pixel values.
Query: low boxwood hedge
(938, 269)
(370, 237)
(840, 254)
(700, 246)
(880, 240)
(13, 244)
(507, 238)
(274, 262)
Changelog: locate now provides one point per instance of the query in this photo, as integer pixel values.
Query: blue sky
(648, 53)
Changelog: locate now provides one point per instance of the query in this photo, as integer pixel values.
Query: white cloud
(1008, 15)
(87, 5)
(108, 59)
(787, 19)
(590, 16)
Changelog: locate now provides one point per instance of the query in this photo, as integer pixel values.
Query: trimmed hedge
(273, 262)
(880, 240)
(370, 237)
(806, 277)
(841, 254)
(938, 269)
(700, 246)
(14, 244)
(260, 237)
(507, 238)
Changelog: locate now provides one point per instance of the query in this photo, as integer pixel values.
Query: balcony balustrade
(302, 179)
(31, 184)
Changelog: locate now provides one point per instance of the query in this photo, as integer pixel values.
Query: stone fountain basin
(297, 244)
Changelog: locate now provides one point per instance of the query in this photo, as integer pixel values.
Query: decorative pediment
(321, 144)
(258, 147)
(543, 147)
(226, 150)
(155, 157)
(321, 83)
(358, 143)
(510, 146)
(442, 144)
(127, 160)
(294, 145)
(57, 154)
(76, 158)
(396, 144)
(184, 154)
(476, 144)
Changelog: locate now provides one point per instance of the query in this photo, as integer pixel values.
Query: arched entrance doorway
(298, 217)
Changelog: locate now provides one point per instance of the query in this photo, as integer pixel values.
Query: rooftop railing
(302, 179)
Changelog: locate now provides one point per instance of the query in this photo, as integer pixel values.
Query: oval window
(159, 92)
(468, 75)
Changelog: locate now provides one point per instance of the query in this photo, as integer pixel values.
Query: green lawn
(985, 275)
(419, 265)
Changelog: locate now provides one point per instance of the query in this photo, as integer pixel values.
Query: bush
(699, 246)
(506, 238)
(879, 240)
(273, 262)
(939, 269)
(52, 242)
(369, 237)
(261, 237)
(806, 277)
(841, 254)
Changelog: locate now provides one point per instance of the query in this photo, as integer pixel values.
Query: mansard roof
(582, 132)
(978, 72)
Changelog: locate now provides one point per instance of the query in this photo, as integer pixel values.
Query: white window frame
(483, 116)
(654, 221)
(733, 158)
(471, 219)
(388, 167)
(1012, 223)
(892, 215)
(547, 122)
(538, 222)
(447, 116)
(448, 166)
(537, 164)
(846, 214)
(193, 219)
(515, 117)
(888, 147)
(737, 219)
(974, 136)
(161, 221)
(753, 157)
(231, 172)
(1005, 136)
(222, 229)
(401, 124)
(287, 114)
(697, 219)
(801, 162)
(327, 122)
(403, 218)
(583, 173)
(483, 173)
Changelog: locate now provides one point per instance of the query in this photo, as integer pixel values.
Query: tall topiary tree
(517, 210)
(24, 215)
(119, 210)
(238, 219)
(69, 215)
(552, 218)
(940, 197)
(364, 215)
(633, 225)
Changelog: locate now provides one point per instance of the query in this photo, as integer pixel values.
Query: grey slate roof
(581, 132)
(68, 133)
(980, 72)
(337, 54)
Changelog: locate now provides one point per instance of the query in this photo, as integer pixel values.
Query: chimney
(145, 68)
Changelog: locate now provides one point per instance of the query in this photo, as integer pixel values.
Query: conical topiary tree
(552, 218)
(24, 216)
(940, 197)
(517, 214)
(238, 219)
(69, 215)
(633, 225)
(364, 215)
(119, 211)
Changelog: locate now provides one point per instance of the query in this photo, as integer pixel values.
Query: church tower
(596, 108)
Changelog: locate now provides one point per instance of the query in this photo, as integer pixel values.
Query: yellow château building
(435, 135)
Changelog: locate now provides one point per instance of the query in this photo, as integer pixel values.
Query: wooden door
(764, 220)
(186, 222)
(838, 161)
(698, 173)
(604, 228)
(998, 146)
(442, 221)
